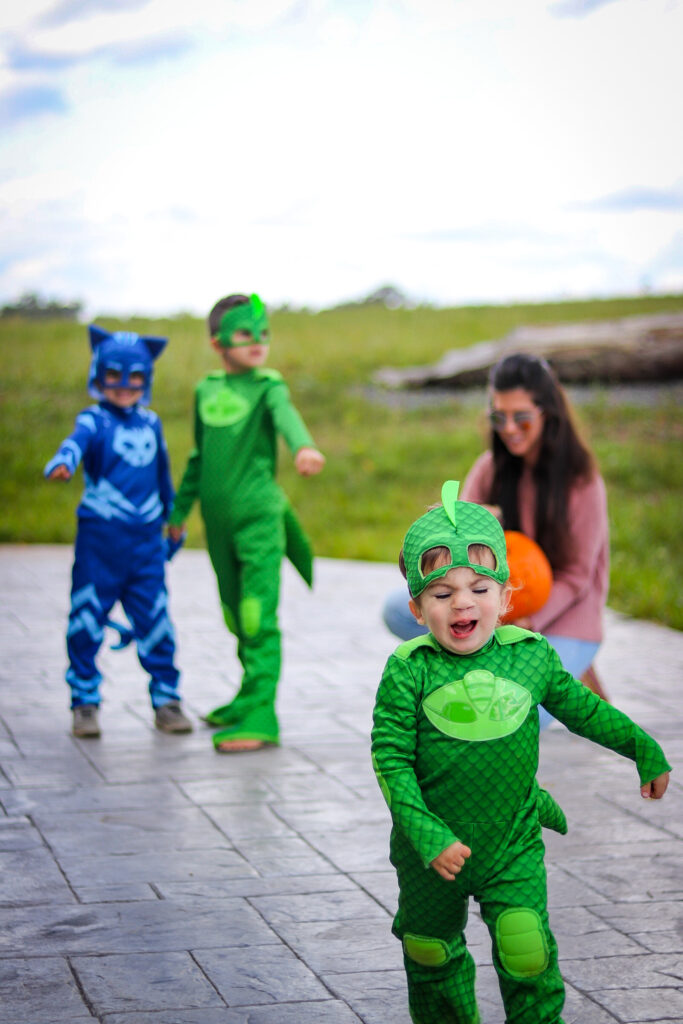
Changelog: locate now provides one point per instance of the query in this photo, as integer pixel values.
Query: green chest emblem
(478, 707)
(223, 408)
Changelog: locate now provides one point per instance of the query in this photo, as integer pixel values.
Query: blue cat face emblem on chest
(137, 446)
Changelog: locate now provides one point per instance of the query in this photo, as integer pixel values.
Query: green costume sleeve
(393, 756)
(287, 419)
(189, 485)
(586, 714)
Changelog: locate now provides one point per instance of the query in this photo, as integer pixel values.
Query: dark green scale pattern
(484, 794)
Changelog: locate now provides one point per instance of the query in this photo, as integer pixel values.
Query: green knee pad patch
(426, 951)
(521, 942)
(250, 616)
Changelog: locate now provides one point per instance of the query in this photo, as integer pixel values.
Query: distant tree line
(33, 307)
(388, 296)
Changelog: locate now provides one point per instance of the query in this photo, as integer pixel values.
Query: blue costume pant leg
(94, 590)
(129, 567)
(145, 601)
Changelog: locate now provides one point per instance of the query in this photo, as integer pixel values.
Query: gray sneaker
(85, 723)
(170, 718)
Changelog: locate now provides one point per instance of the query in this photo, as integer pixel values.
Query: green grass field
(385, 464)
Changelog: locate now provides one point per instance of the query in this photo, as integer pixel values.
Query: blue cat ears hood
(125, 352)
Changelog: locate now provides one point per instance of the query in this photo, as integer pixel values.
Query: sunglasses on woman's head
(522, 420)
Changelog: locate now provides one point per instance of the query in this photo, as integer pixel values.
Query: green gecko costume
(249, 522)
(455, 748)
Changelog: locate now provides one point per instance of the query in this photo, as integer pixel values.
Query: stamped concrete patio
(145, 879)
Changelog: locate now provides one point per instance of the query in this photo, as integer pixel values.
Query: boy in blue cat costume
(120, 550)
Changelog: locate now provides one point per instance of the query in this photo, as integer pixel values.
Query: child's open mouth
(460, 630)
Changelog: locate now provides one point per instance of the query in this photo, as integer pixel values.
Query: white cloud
(312, 150)
(19, 17)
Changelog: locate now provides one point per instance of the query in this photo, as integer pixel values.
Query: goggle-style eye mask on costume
(457, 526)
(122, 359)
(250, 317)
(115, 374)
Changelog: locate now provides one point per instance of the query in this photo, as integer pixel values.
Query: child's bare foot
(238, 746)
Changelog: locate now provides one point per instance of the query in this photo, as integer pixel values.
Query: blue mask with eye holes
(123, 353)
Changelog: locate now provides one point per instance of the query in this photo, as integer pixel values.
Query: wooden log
(636, 348)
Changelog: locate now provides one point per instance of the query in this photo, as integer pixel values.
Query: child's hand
(450, 861)
(176, 532)
(308, 461)
(60, 472)
(656, 789)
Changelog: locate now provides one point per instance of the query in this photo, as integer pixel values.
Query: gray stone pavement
(144, 878)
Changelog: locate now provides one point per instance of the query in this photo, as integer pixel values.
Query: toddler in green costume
(239, 413)
(455, 750)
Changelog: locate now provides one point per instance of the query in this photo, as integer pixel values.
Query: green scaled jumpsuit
(249, 527)
(455, 749)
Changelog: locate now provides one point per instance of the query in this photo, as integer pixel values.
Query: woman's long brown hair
(562, 461)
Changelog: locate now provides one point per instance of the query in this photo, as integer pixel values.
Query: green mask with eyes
(249, 316)
(455, 525)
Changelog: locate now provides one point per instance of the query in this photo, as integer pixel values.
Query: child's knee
(522, 943)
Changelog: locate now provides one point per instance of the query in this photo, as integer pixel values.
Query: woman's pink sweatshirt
(579, 590)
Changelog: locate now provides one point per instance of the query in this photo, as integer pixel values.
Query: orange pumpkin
(530, 576)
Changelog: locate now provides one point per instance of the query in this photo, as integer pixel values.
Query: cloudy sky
(156, 154)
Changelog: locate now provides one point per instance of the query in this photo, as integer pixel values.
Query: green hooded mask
(250, 316)
(455, 525)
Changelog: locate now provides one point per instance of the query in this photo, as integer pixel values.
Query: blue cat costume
(120, 551)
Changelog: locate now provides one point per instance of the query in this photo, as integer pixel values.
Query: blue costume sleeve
(74, 447)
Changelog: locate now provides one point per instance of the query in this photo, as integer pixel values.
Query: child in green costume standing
(239, 413)
(455, 748)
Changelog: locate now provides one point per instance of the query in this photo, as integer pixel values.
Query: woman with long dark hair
(539, 477)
